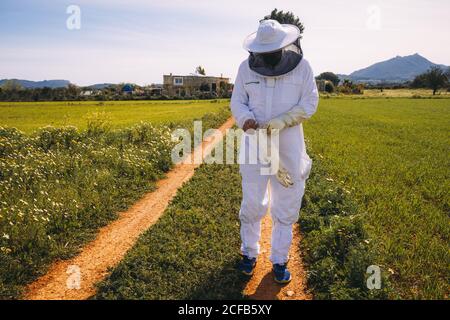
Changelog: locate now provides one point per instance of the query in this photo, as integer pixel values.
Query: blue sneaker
(282, 275)
(247, 265)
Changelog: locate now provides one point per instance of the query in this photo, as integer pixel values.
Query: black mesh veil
(290, 58)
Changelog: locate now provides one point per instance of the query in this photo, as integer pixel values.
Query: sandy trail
(262, 286)
(115, 239)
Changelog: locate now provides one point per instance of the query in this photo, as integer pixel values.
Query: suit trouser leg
(285, 207)
(255, 201)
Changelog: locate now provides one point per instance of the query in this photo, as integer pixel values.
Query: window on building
(178, 81)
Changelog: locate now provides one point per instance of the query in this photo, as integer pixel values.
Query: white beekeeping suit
(276, 98)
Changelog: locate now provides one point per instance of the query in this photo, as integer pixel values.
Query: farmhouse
(188, 85)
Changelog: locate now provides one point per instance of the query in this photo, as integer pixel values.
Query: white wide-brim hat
(271, 36)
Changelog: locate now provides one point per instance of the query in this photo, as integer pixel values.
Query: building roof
(127, 88)
(194, 75)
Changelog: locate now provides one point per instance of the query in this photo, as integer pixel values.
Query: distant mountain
(100, 86)
(398, 69)
(39, 84)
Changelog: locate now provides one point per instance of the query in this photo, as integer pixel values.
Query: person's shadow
(267, 289)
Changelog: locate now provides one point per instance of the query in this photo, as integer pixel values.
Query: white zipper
(270, 85)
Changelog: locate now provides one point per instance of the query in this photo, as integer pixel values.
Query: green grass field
(405, 93)
(393, 93)
(28, 116)
(378, 194)
(393, 156)
(59, 185)
(192, 251)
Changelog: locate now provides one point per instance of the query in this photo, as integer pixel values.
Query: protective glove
(250, 124)
(283, 176)
(288, 119)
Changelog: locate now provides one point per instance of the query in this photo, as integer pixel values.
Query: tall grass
(29, 116)
(392, 156)
(59, 185)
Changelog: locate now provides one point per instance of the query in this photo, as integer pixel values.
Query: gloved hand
(293, 117)
(284, 177)
(250, 124)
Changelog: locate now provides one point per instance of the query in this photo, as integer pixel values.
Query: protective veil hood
(290, 58)
(272, 37)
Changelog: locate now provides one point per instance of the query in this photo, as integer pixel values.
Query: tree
(419, 82)
(73, 91)
(285, 18)
(200, 70)
(12, 85)
(435, 79)
(330, 76)
(329, 87)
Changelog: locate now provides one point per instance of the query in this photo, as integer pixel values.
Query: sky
(138, 41)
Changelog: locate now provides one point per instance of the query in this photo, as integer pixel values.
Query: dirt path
(262, 286)
(115, 239)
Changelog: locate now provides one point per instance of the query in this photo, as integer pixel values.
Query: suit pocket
(290, 93)
(254, 89)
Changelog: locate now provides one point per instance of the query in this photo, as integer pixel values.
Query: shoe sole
(248, 274)
(282, 281)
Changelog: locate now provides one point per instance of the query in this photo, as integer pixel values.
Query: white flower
(6, 236)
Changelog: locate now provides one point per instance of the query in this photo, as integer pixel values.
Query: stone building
(178, 85)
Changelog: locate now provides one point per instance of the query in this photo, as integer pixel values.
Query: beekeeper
(275, 90)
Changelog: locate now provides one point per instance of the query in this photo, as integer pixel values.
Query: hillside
(397, 69)
(28, 84)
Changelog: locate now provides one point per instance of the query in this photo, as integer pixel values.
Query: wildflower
(6, 236)
(5, 250)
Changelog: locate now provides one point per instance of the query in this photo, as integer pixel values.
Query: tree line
(434, 79)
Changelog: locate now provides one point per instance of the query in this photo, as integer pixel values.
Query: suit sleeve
(309, 98)
(239, 102)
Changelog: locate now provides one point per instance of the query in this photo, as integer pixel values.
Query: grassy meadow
(378, 194)
(405, 93)
(393, 93)
(59, 185)
(392, 156)
(28, 116)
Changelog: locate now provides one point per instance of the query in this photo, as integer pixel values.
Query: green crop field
(393, 156)
(378, 195)
(28, 116)
(59, 185)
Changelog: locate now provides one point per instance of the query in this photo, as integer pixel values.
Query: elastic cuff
(279, 260)
(241, 123)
